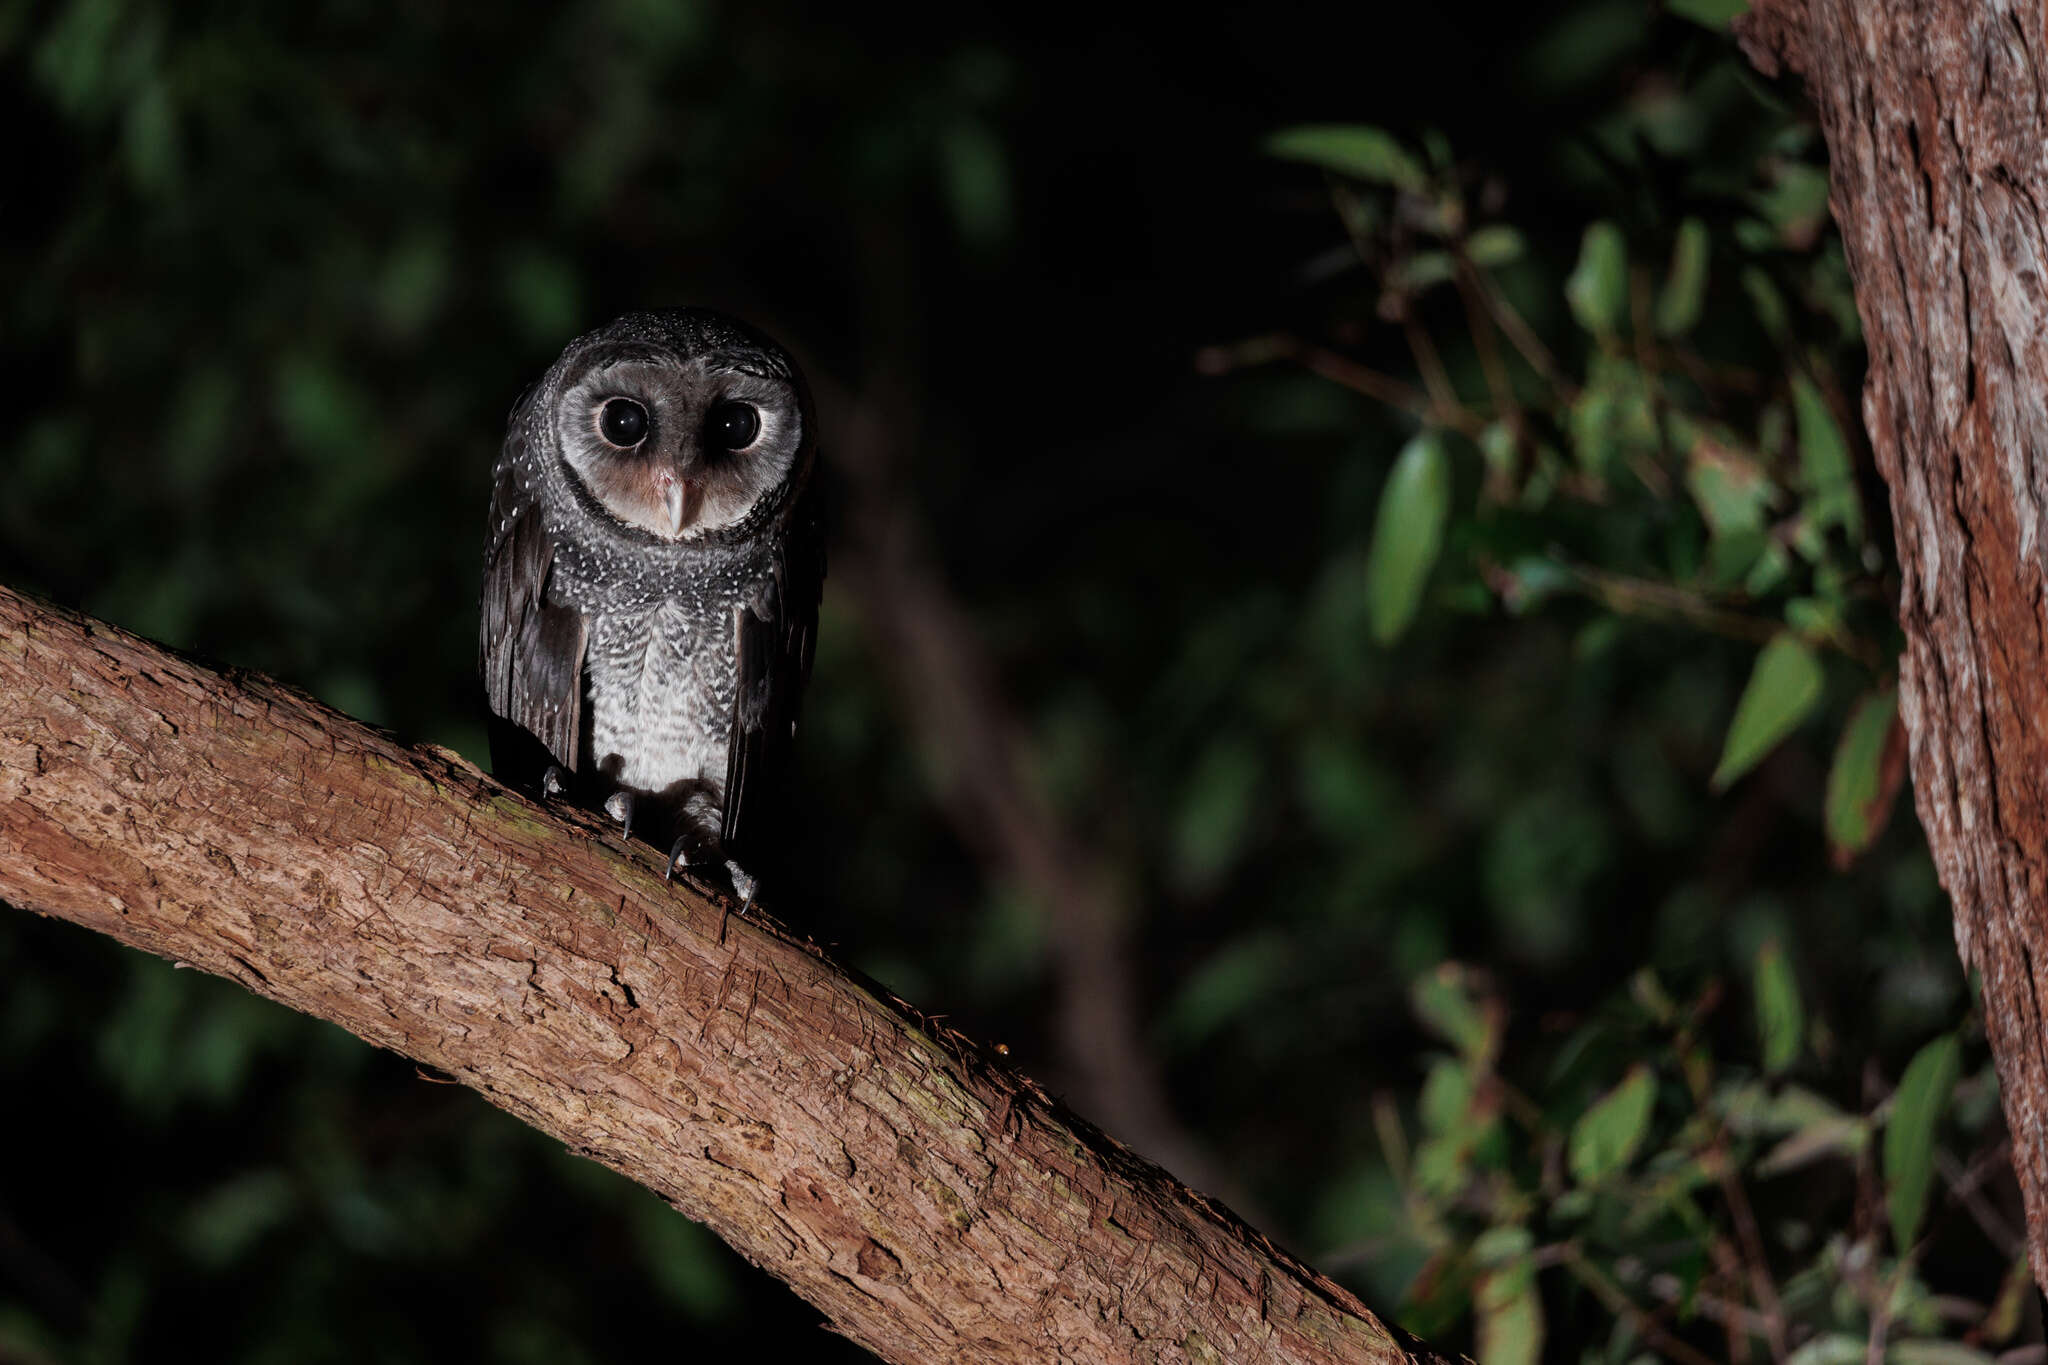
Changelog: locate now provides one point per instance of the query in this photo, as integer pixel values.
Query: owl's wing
(776, 635)
(530, 653)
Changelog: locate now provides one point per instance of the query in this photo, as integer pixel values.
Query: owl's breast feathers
(662, 679)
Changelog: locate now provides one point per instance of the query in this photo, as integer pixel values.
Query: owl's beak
(675, 499)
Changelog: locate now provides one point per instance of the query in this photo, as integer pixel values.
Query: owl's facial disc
(677, 447)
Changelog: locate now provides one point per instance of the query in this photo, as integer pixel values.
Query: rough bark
(1936, 116)
(936, 1206)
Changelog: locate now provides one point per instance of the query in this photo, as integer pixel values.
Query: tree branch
(936, 1206)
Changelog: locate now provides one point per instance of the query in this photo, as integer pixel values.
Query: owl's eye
(733, 425)
(622, 422)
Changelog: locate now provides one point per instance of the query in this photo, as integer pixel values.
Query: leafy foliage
(1642, 1198)
(1628, 436)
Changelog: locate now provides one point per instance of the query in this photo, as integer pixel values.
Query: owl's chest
(661, 682)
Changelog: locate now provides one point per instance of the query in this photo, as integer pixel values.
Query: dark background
(274, 275)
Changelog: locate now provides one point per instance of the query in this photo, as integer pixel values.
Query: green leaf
(1768, 304)
(1418, 272)
(1606, 1136)
(2006, 1309)
(1731, 490)
(682, 1260)
(1444, 1001)
(1439, 148)
(1446, 1098)
(1501, 451)
(1647, 991)
(1754, 1109)
(150, 139)
(1815, 618)
(1936, 1353)
(1226, 988)
(543, 294)
(1685, 288)
(1598, 287)
(1780, 1019)
(1824, 464)
(976, 173)
(1613, 417)
(1796, 204)
(1355, 150)
(1510, 1315)
(1823, 453)
(1218, 804)
(1533, 580)
(1488, 248)
(1769, 572)
(1917, 1109)
(1408, 534)
(1503, 1246)
(1860, 789)
(1845, 1136)
(1782, 689)
(220, 1227)
(411, 287)
(1494, 245)
(1443, 1166)
(1831, 1348)
(1714, 14)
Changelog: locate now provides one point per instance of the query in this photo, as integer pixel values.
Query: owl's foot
(744, 883)
(554, 782)
(619, 805)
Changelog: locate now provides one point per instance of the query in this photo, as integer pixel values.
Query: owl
(651, 582)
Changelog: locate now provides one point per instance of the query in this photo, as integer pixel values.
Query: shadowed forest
(1359, 643)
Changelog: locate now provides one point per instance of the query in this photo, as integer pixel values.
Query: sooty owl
(651, 582)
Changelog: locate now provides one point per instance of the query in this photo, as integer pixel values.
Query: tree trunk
(937, 1206)
(1936, 115)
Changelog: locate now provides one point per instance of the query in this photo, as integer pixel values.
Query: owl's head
(679, 422)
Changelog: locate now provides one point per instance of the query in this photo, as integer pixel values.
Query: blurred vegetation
(1405, 469)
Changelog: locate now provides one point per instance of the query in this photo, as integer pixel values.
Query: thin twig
(1652, 474)
(1669, 1288)
(1341, 369)
(1500, 484)
(1729, 1262)
(1755, 1262)
(1443, 395)
(1632, 596)
(1524, 338)
(1965, 1187)
(1621, 1305)
(1486, 341)
(1881, 1313)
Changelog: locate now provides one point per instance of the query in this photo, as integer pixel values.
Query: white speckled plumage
(660, 697)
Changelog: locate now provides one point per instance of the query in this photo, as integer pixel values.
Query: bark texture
(937, 1207)
(1936, 115)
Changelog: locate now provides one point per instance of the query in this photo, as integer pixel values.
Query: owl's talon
(619, 805)
(678, 857)
(554, 782)
(744, 884)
